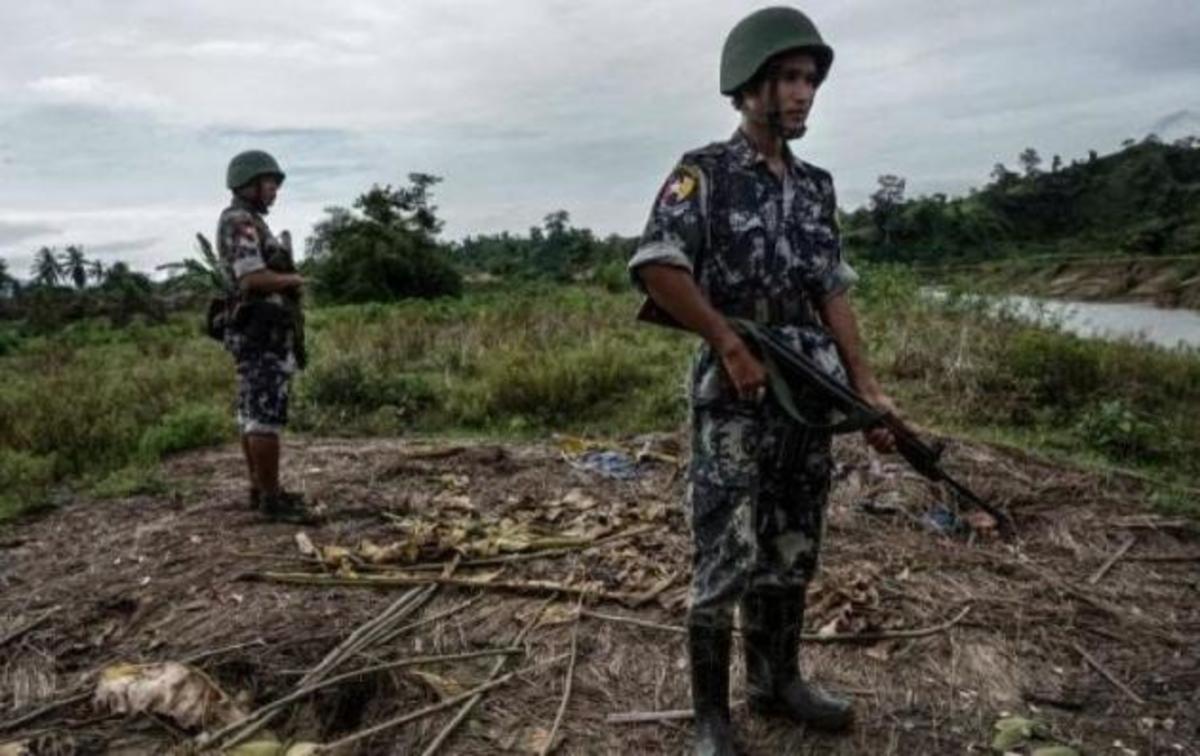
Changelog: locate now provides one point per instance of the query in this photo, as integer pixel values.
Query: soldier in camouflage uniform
(261, 333)
(745, 229)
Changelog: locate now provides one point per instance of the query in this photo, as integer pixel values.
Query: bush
(1113, 428)
(344, 382)
(23, 480)
(1061, 370)
(550, 387)
(189, 427)
(367, 262)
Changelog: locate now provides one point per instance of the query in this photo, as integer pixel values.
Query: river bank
(1169, 282)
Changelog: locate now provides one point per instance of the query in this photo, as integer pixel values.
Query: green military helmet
(764, 34)
(249, 165)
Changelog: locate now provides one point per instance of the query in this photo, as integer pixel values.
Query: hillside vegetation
(1142, 200)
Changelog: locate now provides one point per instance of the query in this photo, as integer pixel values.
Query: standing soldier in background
(744, 229)
(264, 332)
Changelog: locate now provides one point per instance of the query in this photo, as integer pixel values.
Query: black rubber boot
(255, 499)
(283, 506)
(708, 647)
(771, 635)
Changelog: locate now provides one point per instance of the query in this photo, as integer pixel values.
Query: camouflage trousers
(264, 380)
(757, 493)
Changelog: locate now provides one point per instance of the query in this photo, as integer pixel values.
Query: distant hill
(1142, 200)
(1178, 125)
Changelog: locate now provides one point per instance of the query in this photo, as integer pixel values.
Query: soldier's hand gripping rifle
(787, 368)
(281, 260)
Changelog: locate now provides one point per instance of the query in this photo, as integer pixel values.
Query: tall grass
(98, 405)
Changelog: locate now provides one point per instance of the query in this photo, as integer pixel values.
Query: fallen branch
(1112, 560)
(362, 637)
(633, 621)
(429, 620)
(400, 580)
(655, 591)
(887, 634)
(638, 717)
(1178, 558)
(30, 625)
(542, 554)
(1107, 675)
(196, 658)
(566, 697)
(453, 724)
(807, 637)
(434, 708)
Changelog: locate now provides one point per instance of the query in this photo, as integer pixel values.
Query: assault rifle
(789, 369)
(281, 260)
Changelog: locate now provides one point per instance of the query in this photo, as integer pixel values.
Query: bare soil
(170, 578)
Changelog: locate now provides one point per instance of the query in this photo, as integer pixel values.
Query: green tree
(1002, 177)
(386, 251)
(74, 265)
(197, 275)
(46, 270)
(126, 293)
(8, 284)
(1030, 161)
(885, 206)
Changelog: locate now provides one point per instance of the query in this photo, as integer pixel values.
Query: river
(1172, 329)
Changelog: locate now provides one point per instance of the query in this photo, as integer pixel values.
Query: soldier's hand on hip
(744, 370)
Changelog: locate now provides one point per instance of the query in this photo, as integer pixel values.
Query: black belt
(772, 311)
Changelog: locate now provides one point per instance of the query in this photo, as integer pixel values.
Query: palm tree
(46, 271)
(8, 284)
(95, 269)
(75, 266)
(206, 274)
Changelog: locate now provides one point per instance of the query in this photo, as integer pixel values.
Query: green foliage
(555, 251)
(1142, 200)
(24, 478)
(387, 253)
(134, 480)
(191, 426)
(552, 387)
(345, 382)
(1058, 370)
(887, 287)
(1114, 428)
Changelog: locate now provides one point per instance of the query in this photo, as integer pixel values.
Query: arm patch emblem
(681, 185)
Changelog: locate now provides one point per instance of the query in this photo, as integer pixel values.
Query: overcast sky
(118, 117)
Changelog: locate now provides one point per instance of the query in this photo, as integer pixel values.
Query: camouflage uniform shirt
(767, 249)
(245, 243)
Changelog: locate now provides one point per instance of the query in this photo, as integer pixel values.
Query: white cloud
(525, 107)
(90, 89)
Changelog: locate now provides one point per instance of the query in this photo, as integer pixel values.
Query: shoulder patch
(681, 184)
(245, 229)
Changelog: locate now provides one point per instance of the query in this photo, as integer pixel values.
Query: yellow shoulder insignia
(682, 184)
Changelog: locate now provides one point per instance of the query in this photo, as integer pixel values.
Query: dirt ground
(184, 577)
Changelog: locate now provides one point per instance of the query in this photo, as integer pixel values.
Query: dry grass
(159, 578)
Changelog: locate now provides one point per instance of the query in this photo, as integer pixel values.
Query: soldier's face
(786, 92)
(268, 189)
